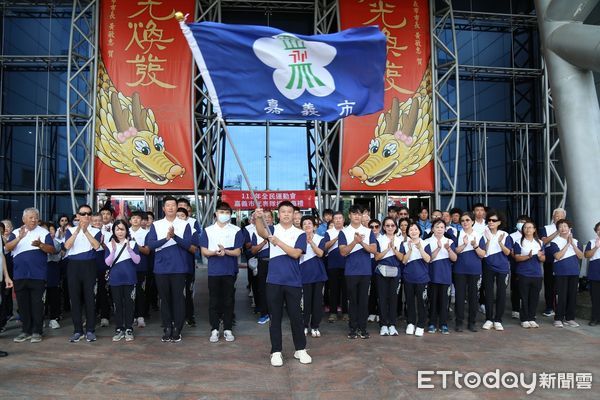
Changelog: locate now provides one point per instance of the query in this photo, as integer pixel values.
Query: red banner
(393, 150)
(242, 199)
(143, 119)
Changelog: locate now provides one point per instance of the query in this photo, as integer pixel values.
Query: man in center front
(284, 281)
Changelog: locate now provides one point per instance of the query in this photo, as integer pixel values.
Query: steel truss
(461, 146)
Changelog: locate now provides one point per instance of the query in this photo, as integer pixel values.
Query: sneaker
(303, 356)
(445, 330)
(176, 337)
(90, 337)
(263, 320)
(352, 334)
(276, 359)
(332, 318)
(141, 323)
(191, 322)
(384, 331)
(345, 317)
(533, 324)
(393, 331)
(36, 338)
(214, 336)
(472, 328)
(487, 325)
(128, 335)
(482, 308)
(498, 326)
(228, 335)
(313, 332)
(572, 323)
(166, 337)
(371, 318)
(23, 337)
(419, 332)
(104, 322)
(548, 313)
(76, 337)
(410, 329)
(53, 324)
(558, 324)
(363, 334)
(525, 324)
(119, 334)
(515, 315)
(431, 329)
(317, 333)
(458, 328)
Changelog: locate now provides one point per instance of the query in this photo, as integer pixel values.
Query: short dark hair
(477, 205)
(524, 217)
(438, 221)
(338, 213)
(564, 221)
(114, 227)
(307, 218)
(183, 210)
(455, 210)
(183, 200)
(355, 209)
(392, 209)
(139, 213)
(84, 206)
(376, 221)
(224, 206)
(149, 214)
(285, 203)
(328, 211)
(169, 198)
(596, 226)
(400, 208)
(296, 208)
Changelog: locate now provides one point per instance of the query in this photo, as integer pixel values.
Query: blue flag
(263, 73)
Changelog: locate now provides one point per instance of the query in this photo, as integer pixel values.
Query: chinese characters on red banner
(242, 200)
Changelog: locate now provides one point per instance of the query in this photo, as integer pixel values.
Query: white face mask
(520, 226)
(223, 218)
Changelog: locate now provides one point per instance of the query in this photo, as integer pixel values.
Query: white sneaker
(515, 314)
(487, 325)
(141, 323)
(313, 332)
(317, 333)
(392, 330)
(498, 326)
(371, 318)
(104, 322)
(384, 331)
(228, 335)
(558, 324)
(410, 329)
(526, 324)
(419, 332)
(214, 336)
(572, 323)
(303, 356)
(53, 324)
(276, 359)
(533, 324)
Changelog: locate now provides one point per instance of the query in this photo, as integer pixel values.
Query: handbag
(107, 274)
(388, 271)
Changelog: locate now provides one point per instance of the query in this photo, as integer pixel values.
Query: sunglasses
(493, 220)
(465, 220)
(85, 214)
(373, 226)
(390, 226)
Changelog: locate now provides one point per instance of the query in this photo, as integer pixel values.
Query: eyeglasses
(492, 220)
(390, 225)
(373, 226)
(85, 214)
(465, 220)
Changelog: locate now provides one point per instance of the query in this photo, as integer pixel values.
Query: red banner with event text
(393, 150)
(143, 118)
(269, 200)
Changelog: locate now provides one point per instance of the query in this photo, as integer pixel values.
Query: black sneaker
(352, 334)
(364, 334)
(166, 337)
(458, 328)
(176, 336)
(191, 322)
(472, 328)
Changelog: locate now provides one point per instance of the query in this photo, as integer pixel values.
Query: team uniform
(387, 273)
(221, 272)
(141, 271)
(566, 279)
(530, 273)
(358, 276)
(53, 282)
(81, 275)
(515, 297)
(338, 296)
(495, 271)
(440, 279)
(29, 277)
(593, 276)
(549, 290)
(313, 274)
(263, 255)
(416, 278)
(170, 269)
(466, 276)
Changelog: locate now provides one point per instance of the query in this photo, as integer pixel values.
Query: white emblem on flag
(299, 64)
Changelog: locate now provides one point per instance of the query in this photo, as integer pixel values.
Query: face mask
(223, 218)
(520, 225)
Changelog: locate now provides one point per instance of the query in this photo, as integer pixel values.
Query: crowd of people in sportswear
(367, 270)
